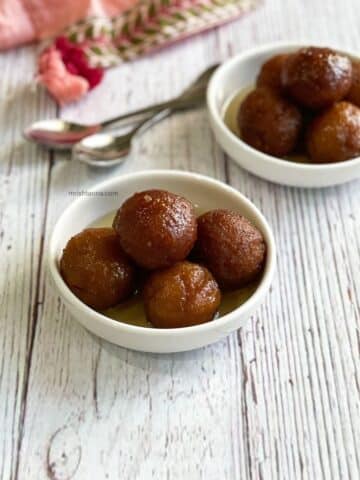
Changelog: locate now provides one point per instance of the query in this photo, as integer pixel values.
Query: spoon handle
(150, 121)
(177, 103)
(193, 95)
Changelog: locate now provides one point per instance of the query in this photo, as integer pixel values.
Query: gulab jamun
(354, 93)
(334, 136)
(270, 74)
(182, 295)
(96, 269)
(231, 247)
(269, 122)
(317, 77)
(156, 228)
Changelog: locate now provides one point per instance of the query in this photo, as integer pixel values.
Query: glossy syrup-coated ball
(156, 228)
(269, 122)
(182, 295)
(317, 77)
(96, 269)
(231, 247)
(334, 136)
(354, 93)
(270, 74)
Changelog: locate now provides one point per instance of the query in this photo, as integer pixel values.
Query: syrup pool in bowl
(132, 310)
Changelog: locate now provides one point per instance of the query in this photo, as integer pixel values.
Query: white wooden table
(278, 399)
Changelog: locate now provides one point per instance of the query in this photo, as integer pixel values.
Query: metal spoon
(61, 134)
(107, 150)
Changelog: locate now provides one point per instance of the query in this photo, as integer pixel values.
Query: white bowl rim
(255, 298)
(216, 115)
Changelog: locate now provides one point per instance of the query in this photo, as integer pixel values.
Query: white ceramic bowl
(203, 191)
(240, 72)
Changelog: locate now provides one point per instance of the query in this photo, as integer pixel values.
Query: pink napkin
(23, 21)
(74, 62)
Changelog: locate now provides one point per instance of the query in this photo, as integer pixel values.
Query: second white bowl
(107, 197)
(241, 72)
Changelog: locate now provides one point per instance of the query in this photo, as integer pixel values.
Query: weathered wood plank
(23, 195)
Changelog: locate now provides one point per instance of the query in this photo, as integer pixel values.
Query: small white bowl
(240, 72)
(201, 190)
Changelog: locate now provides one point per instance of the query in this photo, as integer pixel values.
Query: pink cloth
(75, 61)
(23, 21)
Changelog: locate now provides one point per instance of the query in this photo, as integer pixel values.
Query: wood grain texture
(23, 192)
(279, 399)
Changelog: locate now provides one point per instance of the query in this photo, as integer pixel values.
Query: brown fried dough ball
(231, 247)
(354, 93)
(270, 74)
(334, 136)
(156, 228)
(96, 269)
(182, 295)
(317, 77)
(269, 122)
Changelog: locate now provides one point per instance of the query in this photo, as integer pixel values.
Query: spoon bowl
(103, 149)
(59, 133)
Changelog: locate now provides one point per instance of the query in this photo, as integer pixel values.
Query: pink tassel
(65, 72)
